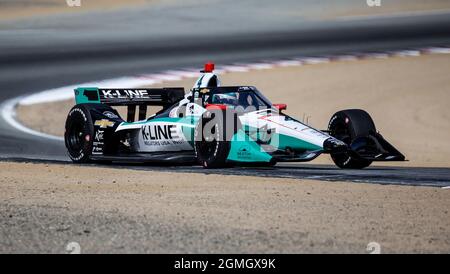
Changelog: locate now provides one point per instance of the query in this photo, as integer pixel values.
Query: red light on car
(209, 67)
(280, 106)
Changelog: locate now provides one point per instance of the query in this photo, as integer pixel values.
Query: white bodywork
(283, 126)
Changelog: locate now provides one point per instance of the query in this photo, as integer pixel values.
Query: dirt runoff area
(44, 207)
(406, 96)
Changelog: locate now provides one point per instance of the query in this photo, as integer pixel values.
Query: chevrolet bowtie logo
(103, 123)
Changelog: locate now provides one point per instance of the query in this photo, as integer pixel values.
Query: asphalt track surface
(39, 55)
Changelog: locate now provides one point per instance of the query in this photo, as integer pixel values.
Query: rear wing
(124, 97)
(164, 97)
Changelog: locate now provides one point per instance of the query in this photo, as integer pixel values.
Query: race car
(213, 125)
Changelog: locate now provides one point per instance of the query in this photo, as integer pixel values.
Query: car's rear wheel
(79, 132)
(347, 125)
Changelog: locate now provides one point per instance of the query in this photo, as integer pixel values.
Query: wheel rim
(341, 132)
(207, 147)
(76, 137)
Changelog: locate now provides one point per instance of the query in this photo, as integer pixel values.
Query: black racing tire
(346, 125)
(212, 150)
(79, 133)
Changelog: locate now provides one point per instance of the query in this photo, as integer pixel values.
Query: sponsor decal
(98, 142)
(110, 115)
(161, 135)
(97, 150)
(159, 132)
(104, 123)
(124, 93)
(99, 135)
(244, 153)
(204, 90)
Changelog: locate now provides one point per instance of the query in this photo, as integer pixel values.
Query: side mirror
(280, 107)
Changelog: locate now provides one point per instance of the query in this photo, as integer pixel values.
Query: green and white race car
(214, 125)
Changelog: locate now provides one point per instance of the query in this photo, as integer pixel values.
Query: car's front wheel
(211, 145)
(347, 125)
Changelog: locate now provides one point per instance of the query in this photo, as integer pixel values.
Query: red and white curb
(8, 108)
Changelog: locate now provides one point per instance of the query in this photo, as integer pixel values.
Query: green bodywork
(81, 98)
(244, 149)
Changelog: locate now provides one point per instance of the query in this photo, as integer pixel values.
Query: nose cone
(334, 145)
